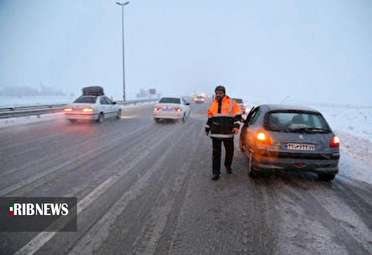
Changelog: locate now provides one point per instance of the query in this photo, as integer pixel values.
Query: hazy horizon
(260, 50)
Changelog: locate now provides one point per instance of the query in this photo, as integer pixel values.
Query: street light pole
(122, 31)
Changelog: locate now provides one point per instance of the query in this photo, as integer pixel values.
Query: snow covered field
(353, 124)
(8, 101)
(9, 122)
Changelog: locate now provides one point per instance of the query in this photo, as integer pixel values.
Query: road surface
(145, 188)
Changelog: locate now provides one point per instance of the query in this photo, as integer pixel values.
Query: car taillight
(87, 110)
(263, 138)
(67, 109)
(178, 109)
(334, 142)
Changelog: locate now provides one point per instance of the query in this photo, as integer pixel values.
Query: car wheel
(101, 117)
(251, 172)
(157, 120)
(118, 115)
(326, 177)
(184, 118)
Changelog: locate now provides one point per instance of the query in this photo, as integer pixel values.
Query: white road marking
(37, 242)
(128, 117)
(42, 238)
(98, 234)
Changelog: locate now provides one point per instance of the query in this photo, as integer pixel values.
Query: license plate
(167, 109)
(300, 147)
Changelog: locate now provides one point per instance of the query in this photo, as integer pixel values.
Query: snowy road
(145, 188)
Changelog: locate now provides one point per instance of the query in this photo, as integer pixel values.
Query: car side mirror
(113, 102)
(187, 103)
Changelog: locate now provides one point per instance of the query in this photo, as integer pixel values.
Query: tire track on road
(39, 241)
(100, 231)
(67, 152)
(80, 160)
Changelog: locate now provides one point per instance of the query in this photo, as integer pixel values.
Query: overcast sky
(307, 51)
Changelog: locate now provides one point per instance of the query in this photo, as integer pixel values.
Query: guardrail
(36, 110)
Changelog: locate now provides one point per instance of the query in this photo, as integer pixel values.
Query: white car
(199, 99)
(175, 108)
(96, 108)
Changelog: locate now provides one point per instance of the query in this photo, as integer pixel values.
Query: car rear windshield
(238, 100)
(170, 100)
(296, 121)
(86, 100)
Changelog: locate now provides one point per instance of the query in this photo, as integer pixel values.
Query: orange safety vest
(223, 118)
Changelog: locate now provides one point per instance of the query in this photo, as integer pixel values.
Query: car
(199, 99)
(174, 108)
(241, 104)
(279, 137)
(92, 105)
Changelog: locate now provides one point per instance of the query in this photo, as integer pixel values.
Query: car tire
(326, 177)
(184, 118)
(251, 172)
(101, 117)
(118, 115)
(157, 120)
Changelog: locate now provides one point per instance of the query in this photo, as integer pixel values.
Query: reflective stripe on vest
(222, 135)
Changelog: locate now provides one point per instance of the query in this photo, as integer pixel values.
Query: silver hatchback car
(279, 137)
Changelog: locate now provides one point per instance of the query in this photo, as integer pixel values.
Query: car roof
(282, 107)
(171, 97)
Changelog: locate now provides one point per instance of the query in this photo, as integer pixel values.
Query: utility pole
(122, 31)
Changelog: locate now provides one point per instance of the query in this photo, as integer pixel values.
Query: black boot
(228, 170)
(215, 177)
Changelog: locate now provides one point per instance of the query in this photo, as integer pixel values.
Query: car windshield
(170, 100)
(238, 100)
(296, 122)
(86, 100)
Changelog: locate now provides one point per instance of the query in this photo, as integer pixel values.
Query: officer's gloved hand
(207, 131)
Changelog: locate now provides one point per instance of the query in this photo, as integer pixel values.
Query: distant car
(171, 108)
(241, 104)
(199, 99)
(91, 107)
(277, 137)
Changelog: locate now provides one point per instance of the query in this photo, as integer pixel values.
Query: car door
(104, 106)
(110, 107)
(248, 127)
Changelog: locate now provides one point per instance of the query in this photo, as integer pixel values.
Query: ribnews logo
(38, 214)
(44, 209)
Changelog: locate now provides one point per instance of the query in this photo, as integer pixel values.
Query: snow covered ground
(8, 101)
(357, 120)
(9, 122)
(353, 124)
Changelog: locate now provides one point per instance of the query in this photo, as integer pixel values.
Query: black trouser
(216, 155)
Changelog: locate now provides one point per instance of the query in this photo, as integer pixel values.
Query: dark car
(279, 137)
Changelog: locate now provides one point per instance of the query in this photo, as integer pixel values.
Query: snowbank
(353, 124)
(9, 122)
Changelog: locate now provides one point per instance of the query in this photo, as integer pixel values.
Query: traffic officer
(223, 123)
